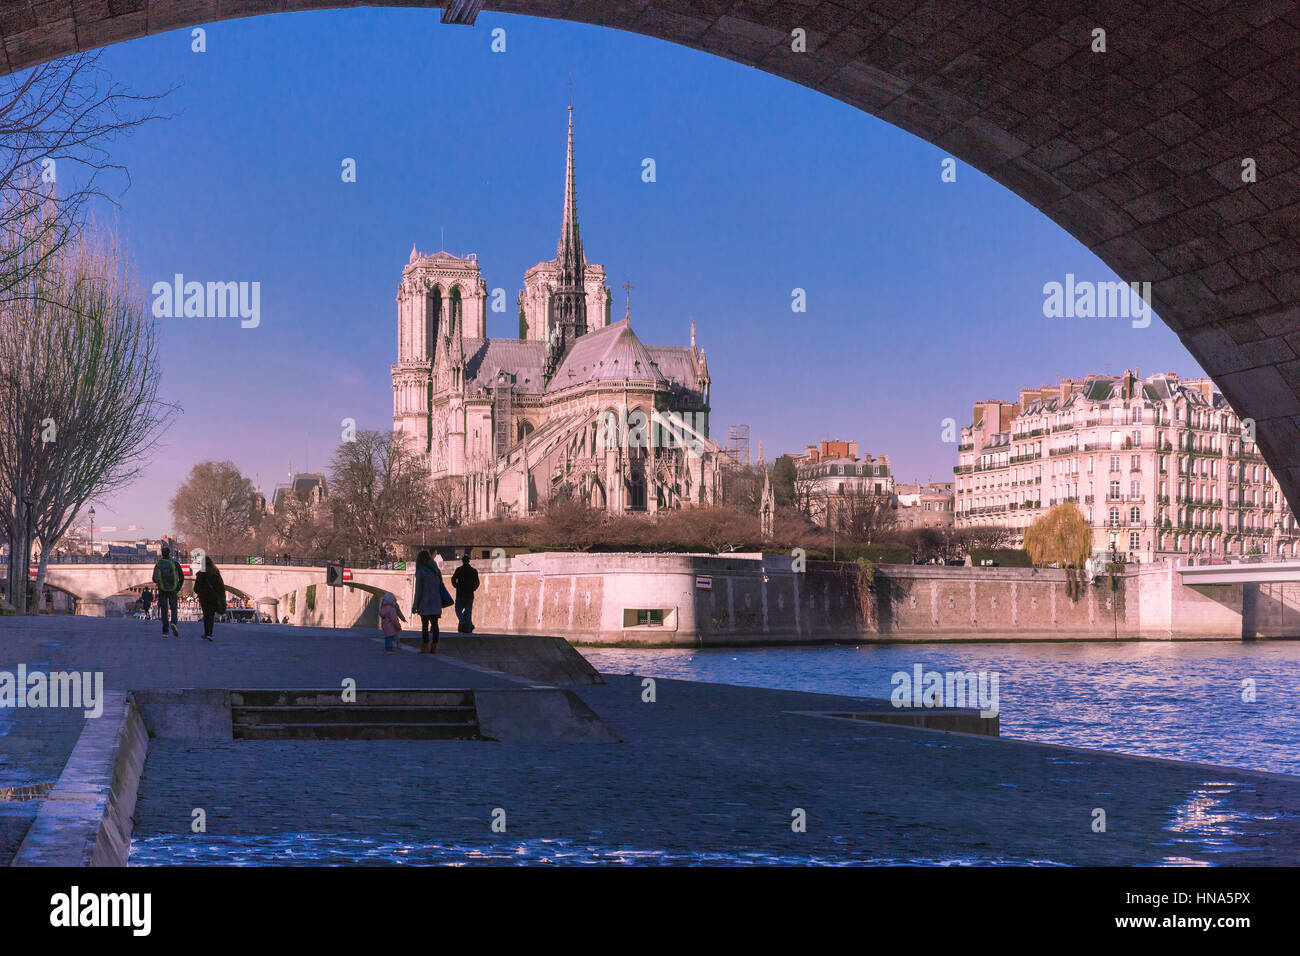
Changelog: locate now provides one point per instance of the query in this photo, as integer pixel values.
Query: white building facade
(1157, 466)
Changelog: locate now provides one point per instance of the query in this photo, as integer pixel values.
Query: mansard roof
(611, 354)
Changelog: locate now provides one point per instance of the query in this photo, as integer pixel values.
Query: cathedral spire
(569, 300)
(570, 245)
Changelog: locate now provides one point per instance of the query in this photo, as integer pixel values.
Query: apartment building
(831, 480)
(924, 505)
(1158, 466)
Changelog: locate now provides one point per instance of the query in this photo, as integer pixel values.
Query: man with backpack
(465, 583)
(167, 575)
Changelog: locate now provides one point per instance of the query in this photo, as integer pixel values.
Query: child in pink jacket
(390, 620)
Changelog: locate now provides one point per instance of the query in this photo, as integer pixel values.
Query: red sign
(185, 570)
(31, 571)
(347, 574)
(704, 582)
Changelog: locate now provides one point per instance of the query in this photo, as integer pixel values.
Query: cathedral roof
(613, 354)
(676, 363)
(484, 358)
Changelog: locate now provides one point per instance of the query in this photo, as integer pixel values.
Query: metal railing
(225, 560)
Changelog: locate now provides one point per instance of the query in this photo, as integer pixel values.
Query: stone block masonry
(698, 600)
(87, 817)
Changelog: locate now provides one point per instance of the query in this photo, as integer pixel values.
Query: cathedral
(575, 407)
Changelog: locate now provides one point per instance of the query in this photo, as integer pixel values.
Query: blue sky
(922, 296)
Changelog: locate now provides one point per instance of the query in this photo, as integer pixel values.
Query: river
(1179, 700)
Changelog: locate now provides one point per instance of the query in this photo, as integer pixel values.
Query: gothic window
(636, 487)
(457, 309)
(432, 322)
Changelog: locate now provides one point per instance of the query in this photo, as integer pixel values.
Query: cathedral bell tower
(569, 303)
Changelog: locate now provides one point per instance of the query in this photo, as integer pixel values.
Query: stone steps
(392, 697)
(417, 714)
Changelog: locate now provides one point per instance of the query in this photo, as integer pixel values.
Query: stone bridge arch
(1137, 151)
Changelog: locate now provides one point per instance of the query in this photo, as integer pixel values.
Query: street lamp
(92, 532)
(28, 591)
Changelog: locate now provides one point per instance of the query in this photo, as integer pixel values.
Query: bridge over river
(268, 586)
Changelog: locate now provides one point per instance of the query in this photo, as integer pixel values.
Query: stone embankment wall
(701, 600)
(929, 603)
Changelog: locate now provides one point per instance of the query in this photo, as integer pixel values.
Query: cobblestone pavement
(35, 744)
(707, 773)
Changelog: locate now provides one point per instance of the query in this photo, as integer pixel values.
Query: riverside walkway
(707, 773)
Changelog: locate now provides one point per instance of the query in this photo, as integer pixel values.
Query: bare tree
(568, 524)
(982, 536)
(57, 121)
(742, 488)
(214, 507)
(804, 495)
(863, 516)
(446, 506)
(299, 527)
(379, 491)
(716, 528)
(79, 406)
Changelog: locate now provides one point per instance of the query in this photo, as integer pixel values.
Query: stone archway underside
(1136, 152)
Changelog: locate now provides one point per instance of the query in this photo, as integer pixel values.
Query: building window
(1134, 515)
(1134, 542)
(643, 617)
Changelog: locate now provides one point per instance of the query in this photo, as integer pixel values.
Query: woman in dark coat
(428, 600)
(211, 592)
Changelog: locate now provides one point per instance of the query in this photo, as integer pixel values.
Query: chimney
(853, 450)
(1063, 389)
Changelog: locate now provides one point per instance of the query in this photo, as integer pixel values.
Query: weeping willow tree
(1061, 537)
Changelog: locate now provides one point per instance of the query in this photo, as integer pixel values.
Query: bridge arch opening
(1138, 153)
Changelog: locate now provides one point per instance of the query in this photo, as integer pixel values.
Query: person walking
(146, 601)
(390, 619)
(167, 576)
(211, 592)
(465, 582)
(430, 598)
